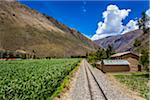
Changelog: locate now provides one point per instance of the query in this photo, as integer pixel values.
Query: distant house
(132, 58)
(113, 65)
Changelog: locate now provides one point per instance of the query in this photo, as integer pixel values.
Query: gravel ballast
(86, 88)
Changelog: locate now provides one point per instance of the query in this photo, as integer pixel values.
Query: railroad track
(96, 92)
(92, 84)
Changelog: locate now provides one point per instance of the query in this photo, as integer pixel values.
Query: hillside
(125, 42)
(22, 28)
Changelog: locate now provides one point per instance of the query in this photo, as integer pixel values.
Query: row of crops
(33, 79)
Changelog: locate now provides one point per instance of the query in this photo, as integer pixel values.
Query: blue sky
(85, 15)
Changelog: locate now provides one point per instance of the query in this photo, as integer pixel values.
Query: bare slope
(26, 29)
(125, 42)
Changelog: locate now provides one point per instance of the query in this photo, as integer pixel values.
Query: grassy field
(137, 81)
(33, 79)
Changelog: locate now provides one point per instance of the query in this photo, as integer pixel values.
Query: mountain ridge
(26, 29)
(125, 42)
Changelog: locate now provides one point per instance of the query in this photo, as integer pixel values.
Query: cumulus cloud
(112, 24)
(131, 25)
(148, 14)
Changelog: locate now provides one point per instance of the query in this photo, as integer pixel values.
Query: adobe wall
(115, 68)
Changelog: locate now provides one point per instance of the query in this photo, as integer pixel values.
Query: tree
(11, 54)
(144, 59)
(1, 54)
(92, 57)
(109, 51)
(142, 22)
(101, 54)
(18, 55)
(34, 54)
(137, 43)
(87, 54)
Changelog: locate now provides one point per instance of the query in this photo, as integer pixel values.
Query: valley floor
(41, 79)
(92, 84)
(136, 81)
(33, 79)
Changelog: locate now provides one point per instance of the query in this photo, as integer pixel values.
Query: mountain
(22, 28)
(121, 43)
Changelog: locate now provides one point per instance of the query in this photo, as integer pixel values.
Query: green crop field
(33, 79)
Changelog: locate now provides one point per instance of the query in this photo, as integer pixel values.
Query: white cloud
(112, 24)
(148, 12)
(131, 25)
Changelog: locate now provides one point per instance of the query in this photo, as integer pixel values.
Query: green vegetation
(9, 54)
(33, 79)
(142, 23)
(109, 51)
(141, 43)
(100, 54)
(64, 84)
(144, 59)
(137, 43)
(137, 81)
